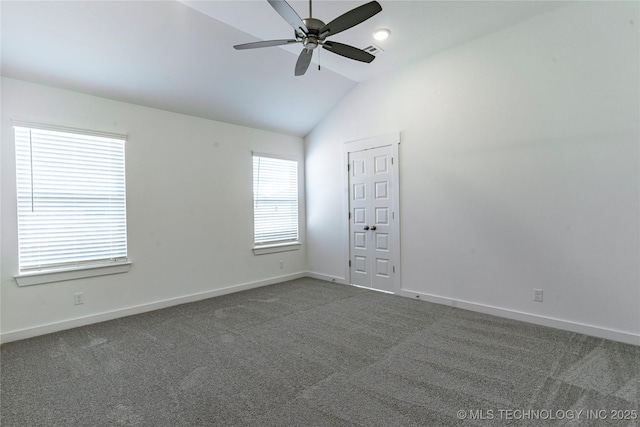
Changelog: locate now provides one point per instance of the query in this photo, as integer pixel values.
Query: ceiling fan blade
(286, 11)
(348, 51)
(303, 62)
(350, 19)
(265, 43)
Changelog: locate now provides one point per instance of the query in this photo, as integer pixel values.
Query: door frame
(393, 140)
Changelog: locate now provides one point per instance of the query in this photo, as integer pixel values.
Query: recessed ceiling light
(381, 34)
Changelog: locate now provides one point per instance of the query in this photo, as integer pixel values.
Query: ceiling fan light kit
(313, 32)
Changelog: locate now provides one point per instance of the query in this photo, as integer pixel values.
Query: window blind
(71, 199)
(275, 200)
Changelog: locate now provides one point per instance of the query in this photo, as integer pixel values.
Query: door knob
(366, 227)
(373, 227)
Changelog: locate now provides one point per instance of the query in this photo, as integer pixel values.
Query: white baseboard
(566, 325)
(138, 309)
(327, 278)
(625, 337)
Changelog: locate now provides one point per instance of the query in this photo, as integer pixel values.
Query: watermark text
(548, 414)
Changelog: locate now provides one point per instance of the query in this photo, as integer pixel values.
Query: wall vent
(373, 49)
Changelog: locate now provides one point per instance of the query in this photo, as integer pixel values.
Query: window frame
(82, 269)
(276, 246)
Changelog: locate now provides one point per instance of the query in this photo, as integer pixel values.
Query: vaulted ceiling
(179, 56)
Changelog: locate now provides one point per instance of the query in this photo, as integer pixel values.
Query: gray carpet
(312, 353)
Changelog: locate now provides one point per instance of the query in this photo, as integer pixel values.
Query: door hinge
(394, 268)
(349, 215)
(349, 263)
(392, 160)
(348, 167)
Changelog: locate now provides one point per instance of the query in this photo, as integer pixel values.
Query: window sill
(280, 247)
(50, 276)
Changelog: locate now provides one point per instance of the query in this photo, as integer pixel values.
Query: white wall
(519, 169)
(189, 207)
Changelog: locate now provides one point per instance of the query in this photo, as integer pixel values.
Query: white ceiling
(179, 56)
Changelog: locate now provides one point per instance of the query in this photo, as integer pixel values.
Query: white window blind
(275, 200)
(71, 199)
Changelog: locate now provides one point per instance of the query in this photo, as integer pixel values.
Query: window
(275, 203)
(71, 199)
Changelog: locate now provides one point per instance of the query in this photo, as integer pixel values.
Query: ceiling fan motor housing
(312, 39)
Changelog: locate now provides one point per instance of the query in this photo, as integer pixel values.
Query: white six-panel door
(371, 212)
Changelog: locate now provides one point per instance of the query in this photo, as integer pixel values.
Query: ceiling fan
(313, 32)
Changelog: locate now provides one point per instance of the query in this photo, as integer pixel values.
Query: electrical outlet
(537, 295)
(78, 298)
(281, 264)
